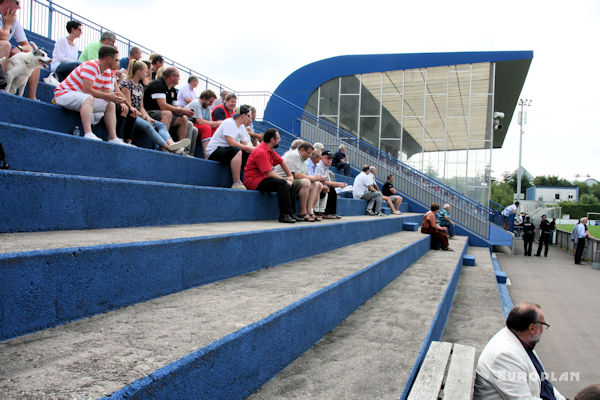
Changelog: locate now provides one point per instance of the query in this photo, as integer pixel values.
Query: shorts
(74, 101)
(204, 131)
(394, 196)
(224, 154)
(296, 184)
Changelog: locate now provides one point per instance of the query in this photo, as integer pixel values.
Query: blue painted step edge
(38, 150)
(240, 363)
(46, 288)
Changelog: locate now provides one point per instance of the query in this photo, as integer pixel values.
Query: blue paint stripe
(505, 298)
(439, 321)
(240, 363)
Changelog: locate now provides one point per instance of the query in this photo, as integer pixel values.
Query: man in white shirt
(363, 189)
(306, 187)
(225, 145)
(509, 212)
(312, 167)
(508, 367)
(579, 234)
(186, 94)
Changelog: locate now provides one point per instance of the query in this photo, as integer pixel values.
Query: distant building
(591, 182)
(553, 194)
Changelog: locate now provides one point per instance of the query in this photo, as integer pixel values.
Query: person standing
(528, 235)
(580, 233)
(544, 236)
(509, 212)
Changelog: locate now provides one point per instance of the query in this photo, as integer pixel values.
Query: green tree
(595, 190)
(511, 179)
(588, 199)
(551, 180)
(502, 193)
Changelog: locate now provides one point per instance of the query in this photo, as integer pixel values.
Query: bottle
(76, 131)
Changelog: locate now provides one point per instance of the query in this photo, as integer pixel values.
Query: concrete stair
(220, 340)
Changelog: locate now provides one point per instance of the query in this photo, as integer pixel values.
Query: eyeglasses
(17, 2)
(543, 323)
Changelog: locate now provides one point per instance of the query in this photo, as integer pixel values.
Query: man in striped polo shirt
(88, 90)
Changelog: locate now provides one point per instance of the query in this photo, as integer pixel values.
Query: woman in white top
(65, 54)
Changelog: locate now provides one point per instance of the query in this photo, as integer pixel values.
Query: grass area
(593, 229)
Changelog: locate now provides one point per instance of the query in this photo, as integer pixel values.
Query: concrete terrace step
(372, 353)
(39, 150)
(240, 331)
(34, 201)
(53, 277)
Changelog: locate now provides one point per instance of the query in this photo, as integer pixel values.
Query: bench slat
(431, 374)
(459, 386)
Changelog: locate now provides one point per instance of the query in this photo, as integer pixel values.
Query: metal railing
(590, 252)
(412, 183)
(46, 18)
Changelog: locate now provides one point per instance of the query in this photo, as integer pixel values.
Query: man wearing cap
(544, 236)
(330, 211)
(259, 174)
(230, 144)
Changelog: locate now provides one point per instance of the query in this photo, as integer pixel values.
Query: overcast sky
(254, 45)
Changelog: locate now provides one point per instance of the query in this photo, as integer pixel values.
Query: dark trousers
(281, 187)
(528, 243)
(331, 206)
(579, 251)
(344, 167)
(125, 125)
(65, 68)
(543, 241)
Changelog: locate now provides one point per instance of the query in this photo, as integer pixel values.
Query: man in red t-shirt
(259, 174)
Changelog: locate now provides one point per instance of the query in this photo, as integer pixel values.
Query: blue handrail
(378, 153)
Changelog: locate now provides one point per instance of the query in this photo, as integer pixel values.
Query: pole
(520, 151)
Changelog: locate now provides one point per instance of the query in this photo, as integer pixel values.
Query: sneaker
(238, 185)
(90, 135)
(380, 214)
(118, 141)
(397, 212)
(182, 144)
(180, 152)
(369, 212)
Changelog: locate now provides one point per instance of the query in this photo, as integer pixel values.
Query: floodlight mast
(522, 121)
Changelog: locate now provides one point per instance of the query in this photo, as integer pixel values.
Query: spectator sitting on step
(256, 137)
(156, 103)
(65, 53)
(318, 146)
(259, 174)
(294, 145)
(363, 189)
(330, 211)
(388, 191)
(202, 120)
(508, 367)
(306, 187)
(437, 232)
(156, 62)
(87, 90)
(148, 78)
(220, 100)
(91, 51)
(340, 160)
(225, 110)
(186, 94)
(133, 90)
(312, 169)
(372, 172)
(9, 27)
(445, 221)
(135, 54)
(230, 144)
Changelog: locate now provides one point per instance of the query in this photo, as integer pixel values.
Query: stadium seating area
(133, 273)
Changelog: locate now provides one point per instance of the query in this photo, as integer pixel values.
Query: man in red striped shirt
(88, 90)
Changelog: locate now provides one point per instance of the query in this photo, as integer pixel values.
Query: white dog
(21, 65)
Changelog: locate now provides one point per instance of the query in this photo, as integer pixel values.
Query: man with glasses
(508, 367)
(88, 90)
(90, 52)
(9, 27)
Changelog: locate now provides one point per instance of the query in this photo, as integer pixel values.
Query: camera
(498, 114)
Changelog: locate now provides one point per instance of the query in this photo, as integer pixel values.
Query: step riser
(439, 320)
(237, 365)
(41, 202)
(46, 288)
(30, 149)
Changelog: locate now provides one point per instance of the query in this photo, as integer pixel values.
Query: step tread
(101, 354)
(35, 241)
(371, 354)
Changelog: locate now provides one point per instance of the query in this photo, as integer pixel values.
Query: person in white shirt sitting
(363, 189)
(65, 54)
(186, 94)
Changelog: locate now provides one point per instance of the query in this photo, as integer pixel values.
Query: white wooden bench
(447, 372)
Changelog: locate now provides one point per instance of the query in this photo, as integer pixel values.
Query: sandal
(316, 217)
(307, 217)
